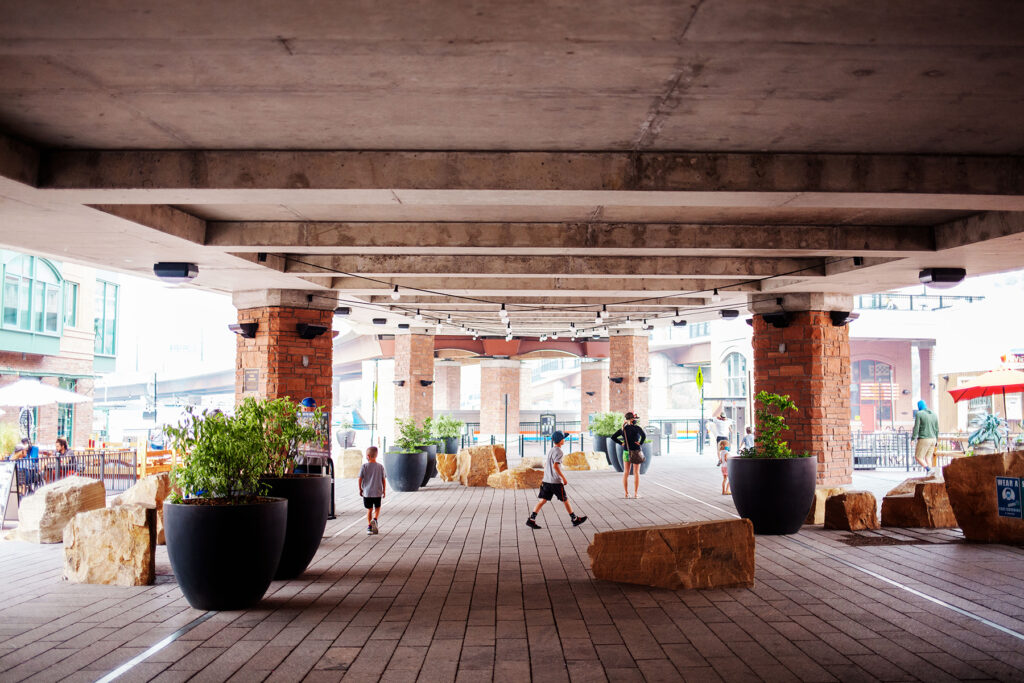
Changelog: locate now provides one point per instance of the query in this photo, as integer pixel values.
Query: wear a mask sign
(1008, 496)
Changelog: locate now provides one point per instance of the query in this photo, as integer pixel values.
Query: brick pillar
(593, 390)
(447, 386)
(924, 354)
(629, 360)
(414, 361)
(277, 362)
(499, 377)
(810, 361)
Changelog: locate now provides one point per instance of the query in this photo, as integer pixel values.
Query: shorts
(548, 490)
(721, 438)
(371, 502)
(635, 457)
(925, 449)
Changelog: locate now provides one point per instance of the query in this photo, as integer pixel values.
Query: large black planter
(451, 445)
(648, 451)
(405, 470)
(615, 450)
(601, 446)
(309, 501)
(225, 556)
(774, 494)
(431, 464)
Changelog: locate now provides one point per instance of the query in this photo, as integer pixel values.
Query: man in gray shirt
(553, 484)
(371, 487)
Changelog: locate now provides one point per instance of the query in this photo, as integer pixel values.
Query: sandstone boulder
(576, 460)
(533, 461)
(715, 554)
(516, 478)
(351, 463)
(597, 461)
(476, 463)
(115, 546)
(816, 515)
(44, 514)
(851, 511)
(151, 492)
(918, 502)
(971, 486)
(447, 466)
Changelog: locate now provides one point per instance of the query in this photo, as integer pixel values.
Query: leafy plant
(606, 424)
(988, 427)
(447, 427)
(283, 427)
(411, 438)
(223, 456)
(10, 437)
(771, 422)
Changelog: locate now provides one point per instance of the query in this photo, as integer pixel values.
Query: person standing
(372, 478)
(748, 439)
(553, 484)
(723, 430)
(633, 437)
(926, 433)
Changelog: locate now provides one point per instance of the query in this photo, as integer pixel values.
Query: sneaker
(369, 530)
(579, 520)
(373, 525)
(533, 524)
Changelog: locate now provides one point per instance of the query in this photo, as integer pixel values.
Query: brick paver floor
(457, 588)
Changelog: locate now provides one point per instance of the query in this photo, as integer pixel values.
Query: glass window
(70, 304)
(105, 322)
(735, 375)
(32, 292)
(699, 329)
(66, 413)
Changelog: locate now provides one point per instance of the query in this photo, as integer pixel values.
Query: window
(105, 322)
(871, 394)
(70, 304)
(735, 375)
(699, 329)
(32, 295)
(66, 413)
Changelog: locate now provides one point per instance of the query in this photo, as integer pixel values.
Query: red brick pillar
(414, 365)
(810, 361)
(499, 377)
(447, 386)
(277, 362)
(628, 360)
(593, 390)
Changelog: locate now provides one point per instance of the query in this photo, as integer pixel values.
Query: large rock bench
(715, 554)
(971, 486)
(851, 511)
(920, 502)
(477, 463)
(43, 515)
(115, 546)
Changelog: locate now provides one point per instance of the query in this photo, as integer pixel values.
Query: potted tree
(224, 537)
(603, 427)
(283, 428)
(449, 429)
(990, 432)
(431, 442)
(772, 486)
(406, 461)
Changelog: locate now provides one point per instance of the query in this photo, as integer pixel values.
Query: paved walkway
(456, 588)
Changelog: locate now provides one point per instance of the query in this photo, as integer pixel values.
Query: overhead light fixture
(780, 319)
(554, 335)
(941, 278)
(403, 326)
(842, 318)
(394, 294)
(398, 382)
(749, 321)
(244, 330)
(380, 321)
(502, 312)
(679, 323)
(342, 310)
(590, 393)
(729, 313)
(715, 297)
(858, 261)
(643, 379)
(616, 380)
(175, 271)
(426, 382)
(307, 331)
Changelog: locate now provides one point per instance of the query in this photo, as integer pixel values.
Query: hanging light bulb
(502, 312)
(716, 297)
(419, 316)
(394, 294)
(554, 335)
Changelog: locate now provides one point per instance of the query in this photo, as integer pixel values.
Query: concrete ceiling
(553, 157)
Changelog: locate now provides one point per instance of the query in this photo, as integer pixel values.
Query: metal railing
(117, 469)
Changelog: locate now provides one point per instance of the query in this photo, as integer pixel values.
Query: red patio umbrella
(991, 383)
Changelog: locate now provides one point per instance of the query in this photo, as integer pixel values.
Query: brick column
(414, 362)
(629, 360)
(499, 377)
(593, 390)
(810, 361)
(277, 362)
(447, 386)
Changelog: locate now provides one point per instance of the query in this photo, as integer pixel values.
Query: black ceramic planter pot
(451, 445)
(431, 464)
(601, 446)
(616, 450)
(648, 457)
(309, 501)
(405, 470)
(225, 556)
(774, 494)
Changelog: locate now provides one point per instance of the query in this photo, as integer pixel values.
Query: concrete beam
(166, 219)
(261, 298)
(979, 228)
(536, 286)
(568, 238)
(532, 171)
(566, 267)
(18, 161)
(593, 302)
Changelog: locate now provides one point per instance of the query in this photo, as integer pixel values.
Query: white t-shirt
(554, 455)
(722, 427)
(748, 440)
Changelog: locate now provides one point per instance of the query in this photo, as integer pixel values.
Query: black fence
(117, 469)
(883, 451)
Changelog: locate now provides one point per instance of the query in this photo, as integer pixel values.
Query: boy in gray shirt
(553, 484)
(371, 487)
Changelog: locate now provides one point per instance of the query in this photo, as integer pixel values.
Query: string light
(419, 316)
(394, 294)
(503, 313)
(716, 297)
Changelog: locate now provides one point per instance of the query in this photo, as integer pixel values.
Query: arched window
(871, 394)
(32, 295)
(735, 375)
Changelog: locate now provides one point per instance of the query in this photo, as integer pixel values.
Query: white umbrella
(31, 392)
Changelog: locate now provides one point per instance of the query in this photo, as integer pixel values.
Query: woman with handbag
(633, 437)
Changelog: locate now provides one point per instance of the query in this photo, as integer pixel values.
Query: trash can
(654, 438)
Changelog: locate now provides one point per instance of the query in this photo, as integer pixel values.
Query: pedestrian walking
(633, 436)
(372, 487)
(926, 433)
(553, 484)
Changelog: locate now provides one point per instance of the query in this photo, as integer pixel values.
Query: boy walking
(371, 487)
(553, 484)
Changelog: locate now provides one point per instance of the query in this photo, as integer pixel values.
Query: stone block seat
(114, 546)
(447, 466)
(150, 491)
(351, 463)
(477, 463)
(851, 511)
(44, 514)
(920, 502)
(971, 486)
(816, 515)
(516, 478)
(711, 554)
